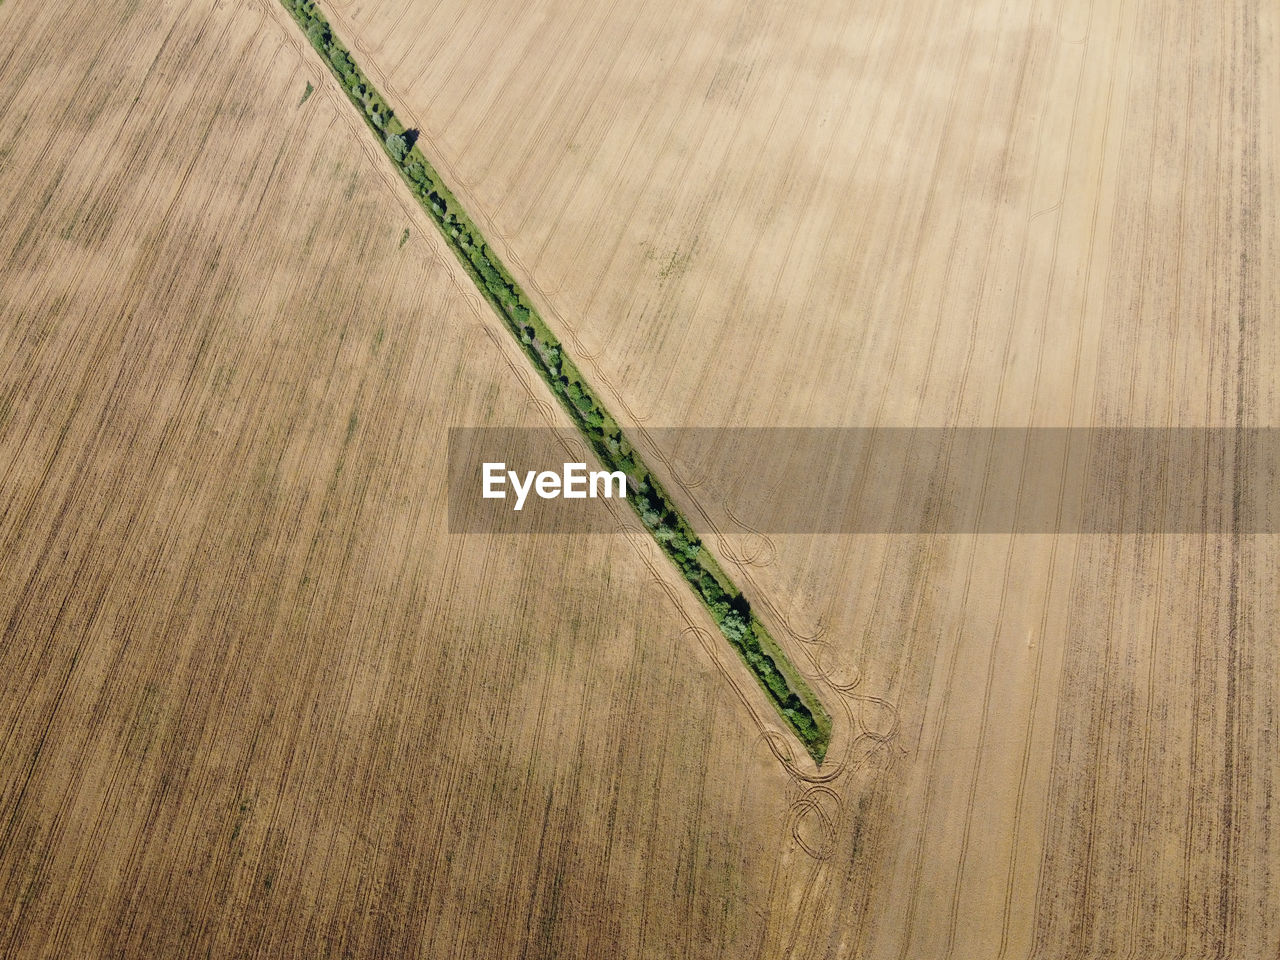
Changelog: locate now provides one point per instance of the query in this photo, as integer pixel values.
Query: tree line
(728, 607)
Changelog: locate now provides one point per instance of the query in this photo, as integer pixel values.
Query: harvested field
(1046, 214)
(794, 702)
(258, 701)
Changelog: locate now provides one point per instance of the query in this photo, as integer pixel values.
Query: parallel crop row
(795, 702)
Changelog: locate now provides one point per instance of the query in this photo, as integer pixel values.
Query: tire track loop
(774, 919)
(749, 557)
(703, 636)
(496, 339)
(882, 738)
(890, 708)
(655, 452)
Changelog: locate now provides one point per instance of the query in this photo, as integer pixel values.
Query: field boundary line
(795, 702)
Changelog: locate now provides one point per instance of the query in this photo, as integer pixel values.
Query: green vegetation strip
(794, 700)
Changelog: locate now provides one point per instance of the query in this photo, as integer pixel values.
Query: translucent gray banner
(886, 480)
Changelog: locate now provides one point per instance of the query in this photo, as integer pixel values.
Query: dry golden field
(928, 214)
(257, 701)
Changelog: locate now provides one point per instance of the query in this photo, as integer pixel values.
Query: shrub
(397, 146)
(736, 627)
(346, 69)
(318, 34)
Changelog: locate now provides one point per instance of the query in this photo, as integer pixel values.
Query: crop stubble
(256, 700)
(1045, 214)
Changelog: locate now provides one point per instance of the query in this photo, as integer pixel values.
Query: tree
(397, 147)
(736, 627)
(345, 66)
(552, 357)
(318, 34)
